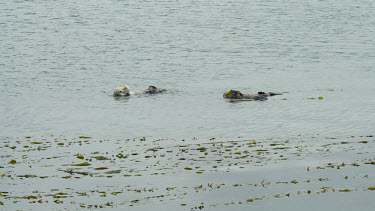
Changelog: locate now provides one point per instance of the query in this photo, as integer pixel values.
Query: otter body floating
(125, 91)
(237, 95)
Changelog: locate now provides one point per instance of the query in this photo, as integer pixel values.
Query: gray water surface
(60, 62)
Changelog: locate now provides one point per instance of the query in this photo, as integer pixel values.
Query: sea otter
(152, 90)
(125, 91)
(262, 96)
(122, 91)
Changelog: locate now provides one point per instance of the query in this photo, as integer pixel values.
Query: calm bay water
(60, 62)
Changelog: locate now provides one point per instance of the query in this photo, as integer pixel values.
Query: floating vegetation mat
(83, 172)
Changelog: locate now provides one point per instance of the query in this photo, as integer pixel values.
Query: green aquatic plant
(113, 172)
(80, 157)
(82, 164)
(250, 200)
(31, 197)
(244, 100)
(101, 168)
(202, 158)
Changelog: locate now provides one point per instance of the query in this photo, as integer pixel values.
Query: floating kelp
(81, 164)
(211, 168)
(80, 157)
(101, 168)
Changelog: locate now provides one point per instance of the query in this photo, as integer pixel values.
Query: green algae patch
(207, 161)
(82, 164)
(31, 197)
(246, 100)
(320, 98)
(84, 137)
(80, 157)
(12, 162)
(113, 172)
(27, 176)
(101, 168)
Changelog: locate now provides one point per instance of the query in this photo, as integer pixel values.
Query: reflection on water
(121, 99)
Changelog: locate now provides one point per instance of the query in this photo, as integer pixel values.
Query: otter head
(152, 89)
(122, 91)
(233, 94)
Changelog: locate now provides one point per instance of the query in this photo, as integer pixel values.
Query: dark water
(60, 62)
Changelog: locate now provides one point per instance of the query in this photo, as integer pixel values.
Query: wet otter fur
(261, 96)
(125, 91)
(122, 91)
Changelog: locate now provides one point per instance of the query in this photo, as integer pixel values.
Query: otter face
(233, 94)
(122, 91)
(152, 89)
